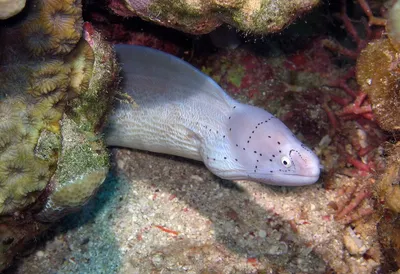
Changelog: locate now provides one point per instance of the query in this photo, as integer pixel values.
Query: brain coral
(55, 90)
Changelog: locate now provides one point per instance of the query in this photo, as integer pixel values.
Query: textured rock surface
(393, 26)
(388, 189)
(9, 8)
(198, 17)
(378, 74)
(51, 158)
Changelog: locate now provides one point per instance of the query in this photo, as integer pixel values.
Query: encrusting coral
(378, 72)
(51, 110)
(388, 188)
(199, 17)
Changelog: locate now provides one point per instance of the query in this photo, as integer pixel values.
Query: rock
(353, 244)
(200, 17)
(9, 8)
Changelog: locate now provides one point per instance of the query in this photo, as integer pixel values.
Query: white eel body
(178, 110)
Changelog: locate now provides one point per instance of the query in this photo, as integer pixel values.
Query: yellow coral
(60, 18)
(81, 63)
(44, 81)
(49, 77)
(21, 172)
(38, 40)
(55, 29)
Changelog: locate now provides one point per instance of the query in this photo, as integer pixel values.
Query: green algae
(235, 75)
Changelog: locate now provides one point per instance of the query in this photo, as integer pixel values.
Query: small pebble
(262, 233)
(196, 178)
(121, 164)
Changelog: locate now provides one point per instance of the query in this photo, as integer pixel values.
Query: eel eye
(286, 162)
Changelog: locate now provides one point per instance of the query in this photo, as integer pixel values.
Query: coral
(377, 69)
(393, 26)
(389, 231)
(104, 81)
(52, 106)
(10, 8)
(375, 100)
(82, 168)
(356, 116)
(48, 77)
(56, 28)
(388, 188)
(378, 74)
(23, 175)
(81, 63)
(199, 17)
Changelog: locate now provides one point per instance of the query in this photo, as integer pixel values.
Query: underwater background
(68, 204)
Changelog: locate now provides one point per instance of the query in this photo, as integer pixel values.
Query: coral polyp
(7, 117)
(55, 28)
(49, 77)
(81, 63)
(60, 18)
(51, 159)
(19, 167)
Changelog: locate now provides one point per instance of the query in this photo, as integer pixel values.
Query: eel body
(178, 110)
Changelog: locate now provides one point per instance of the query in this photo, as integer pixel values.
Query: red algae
(167, 230)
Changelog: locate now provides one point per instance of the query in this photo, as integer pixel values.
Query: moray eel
(178, 110)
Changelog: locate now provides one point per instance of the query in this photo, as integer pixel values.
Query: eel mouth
(282, 179)
(288, 179)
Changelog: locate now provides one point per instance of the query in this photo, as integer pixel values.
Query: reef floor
(161, 214)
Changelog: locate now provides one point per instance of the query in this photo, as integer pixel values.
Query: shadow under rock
(75, 236)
